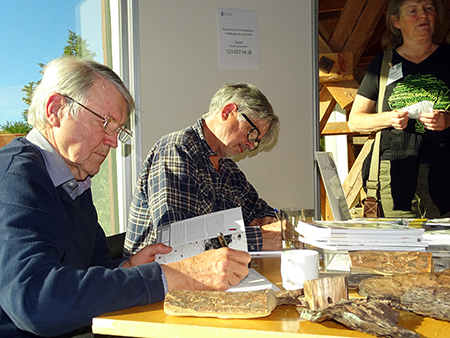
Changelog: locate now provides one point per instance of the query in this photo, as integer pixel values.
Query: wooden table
(151, 321)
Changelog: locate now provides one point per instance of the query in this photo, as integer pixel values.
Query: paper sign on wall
(238, 39)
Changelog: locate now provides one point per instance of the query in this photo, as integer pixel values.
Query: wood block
(391, 262)
(221, 304)
(320, 293)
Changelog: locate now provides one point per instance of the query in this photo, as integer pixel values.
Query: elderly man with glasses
(55, 271)
(190, 172)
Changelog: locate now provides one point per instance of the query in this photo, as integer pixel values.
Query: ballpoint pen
(222, 240)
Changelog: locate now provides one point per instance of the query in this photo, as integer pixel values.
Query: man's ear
(228, 110)
(54, 104)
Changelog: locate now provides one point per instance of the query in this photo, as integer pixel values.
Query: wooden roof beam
(356, 25)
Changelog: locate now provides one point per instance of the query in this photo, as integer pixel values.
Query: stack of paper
(361, 235)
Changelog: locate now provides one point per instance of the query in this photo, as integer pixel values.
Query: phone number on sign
(239, 51)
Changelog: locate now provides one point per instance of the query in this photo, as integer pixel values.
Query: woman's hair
(74, 77)
(393, 37)
(250, 101)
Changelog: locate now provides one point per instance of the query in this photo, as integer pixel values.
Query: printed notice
(238, 39)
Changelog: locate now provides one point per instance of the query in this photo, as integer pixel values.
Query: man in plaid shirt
(190, 172)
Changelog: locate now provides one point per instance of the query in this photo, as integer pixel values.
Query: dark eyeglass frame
(254, 140)
(124, 133)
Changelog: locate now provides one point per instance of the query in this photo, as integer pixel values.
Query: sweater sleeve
(48, 286)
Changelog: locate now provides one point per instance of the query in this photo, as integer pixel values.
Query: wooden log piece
(221, 304)
(391, 262)
(320, 293)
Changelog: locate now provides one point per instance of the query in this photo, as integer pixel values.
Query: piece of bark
(393, 287)
(431, 302)
(319, 293)
(372, 317)
(221, 304)
(391, 262)
(427, 294)
(290, 297)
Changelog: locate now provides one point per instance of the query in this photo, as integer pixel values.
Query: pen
(222, 240)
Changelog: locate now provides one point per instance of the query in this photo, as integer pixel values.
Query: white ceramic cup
(298, 266)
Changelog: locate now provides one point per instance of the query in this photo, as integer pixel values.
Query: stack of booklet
(361, 235)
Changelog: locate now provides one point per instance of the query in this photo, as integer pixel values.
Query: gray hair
(74, 77)
(393, 37)
(250, 101)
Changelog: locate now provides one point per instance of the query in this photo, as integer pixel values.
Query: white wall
(180, 73)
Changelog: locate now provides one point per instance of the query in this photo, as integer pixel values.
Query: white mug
(298, 266)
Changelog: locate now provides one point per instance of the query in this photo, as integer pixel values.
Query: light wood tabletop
(151, 321)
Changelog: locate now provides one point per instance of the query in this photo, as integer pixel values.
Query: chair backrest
(115, 245)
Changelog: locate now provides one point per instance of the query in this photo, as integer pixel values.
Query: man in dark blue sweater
(55, 272)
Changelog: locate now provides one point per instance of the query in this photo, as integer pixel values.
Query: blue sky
(36, 31)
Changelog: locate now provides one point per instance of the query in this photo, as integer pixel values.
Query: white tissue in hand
(415, 110)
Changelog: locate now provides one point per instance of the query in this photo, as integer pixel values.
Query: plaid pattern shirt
(178, 181)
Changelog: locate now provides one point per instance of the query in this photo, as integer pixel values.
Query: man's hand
(214, 270)
(271, 232)
(147, 255)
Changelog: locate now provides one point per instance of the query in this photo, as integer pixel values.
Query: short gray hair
(74, 77)
(251, 101)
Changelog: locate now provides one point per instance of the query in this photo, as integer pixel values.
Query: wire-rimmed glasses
(110, 126)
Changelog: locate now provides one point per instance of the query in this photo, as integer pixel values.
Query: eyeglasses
(110, 126)
(253, 134)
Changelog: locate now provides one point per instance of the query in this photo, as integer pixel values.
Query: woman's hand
(399, 119)
(436, 120)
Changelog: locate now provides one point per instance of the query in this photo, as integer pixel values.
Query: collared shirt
(57, 168)
(178, 181)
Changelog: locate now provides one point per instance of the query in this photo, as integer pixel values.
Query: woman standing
(415, 153)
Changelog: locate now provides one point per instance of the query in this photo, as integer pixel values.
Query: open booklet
(195, 235)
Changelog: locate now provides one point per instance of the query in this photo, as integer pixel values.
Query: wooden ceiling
(341, 21)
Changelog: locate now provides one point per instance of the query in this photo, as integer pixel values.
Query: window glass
(33, 33)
